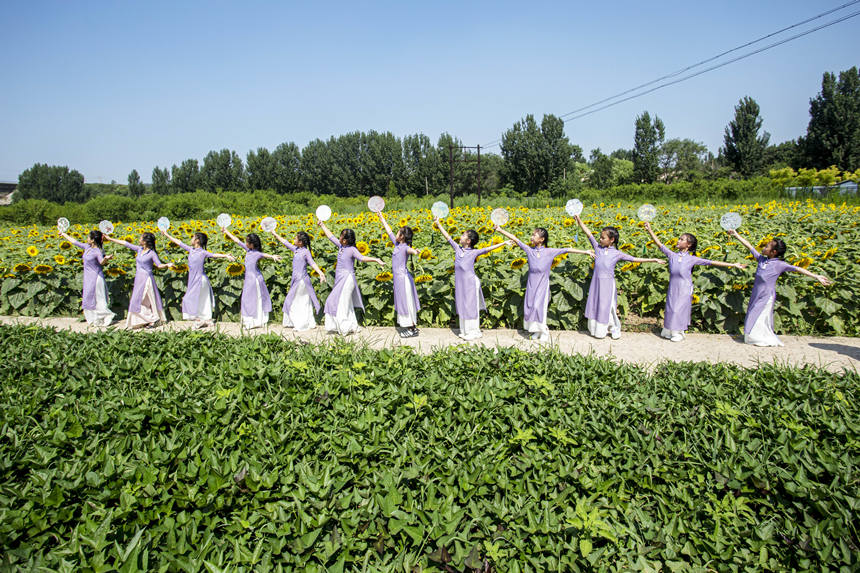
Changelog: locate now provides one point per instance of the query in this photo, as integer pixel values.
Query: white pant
(260, 318)
(101, 315)
(300, 315)
(761, 333)
(149, 312)
(345, 321)
(411, 318)
(205, 303)
(613, 327)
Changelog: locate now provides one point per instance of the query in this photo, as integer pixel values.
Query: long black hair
(613, 234)
(149, 241)
(694, 242)
(202, 239)
(779, 247)
(96, 237)
(304, 239)
(407, 235)
(254, 240)
(472, 235)
(348, 235)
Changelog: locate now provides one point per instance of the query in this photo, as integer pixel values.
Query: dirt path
(836, 354)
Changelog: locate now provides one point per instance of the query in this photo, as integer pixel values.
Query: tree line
(533, 158)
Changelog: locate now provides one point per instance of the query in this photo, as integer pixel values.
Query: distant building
(6, 190)
(844, 188)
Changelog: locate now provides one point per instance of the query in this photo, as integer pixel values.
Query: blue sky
(107, 87)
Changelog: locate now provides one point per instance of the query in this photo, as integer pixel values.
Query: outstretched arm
(510, 236)
(492, 248)
(639, 260)
(125, 244)
(820, 278)
(364, 259)
(743, 241)
(386, 226)
(585, 230)
(78, 244)
(653, 236)
(284, 242)
(234, 238)
(328, 233)
(173, 240)
(222, 256)
(579, 252)
(727, 265)
(270, 257)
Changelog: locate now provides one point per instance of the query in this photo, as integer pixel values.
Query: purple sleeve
(592, 240)
(244, 246)
(756, 255)
(184, 247)
(485, 250)
(665, 250)
(454, 245)
(100, 256)
(701, 261)
(522, 245)
(334, 241)
(785, 267)
(79, 245)
(622, 256)
(155, 260)
(289, 245)
(309, 259)
(391, 237)
(127, 245)
(207, 255)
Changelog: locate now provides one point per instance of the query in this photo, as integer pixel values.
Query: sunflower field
(42, 273)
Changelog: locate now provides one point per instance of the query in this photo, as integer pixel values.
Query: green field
(191, 452)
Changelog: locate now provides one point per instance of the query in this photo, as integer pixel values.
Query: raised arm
(585, 230)
(578, 252)
(640, 260)
(227, 256)
(653, 236)
(328, 234)
(510, 236)
(234, 238)
(744, 242)
(284, 242)
(386, 226)
(173, 240)
(364, 259)
(70, 239)
(271, 257)
(444, 232)
(125, 244)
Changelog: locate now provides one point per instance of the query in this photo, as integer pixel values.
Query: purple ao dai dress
(344, 297)
(600, 309)
(256, 304)
(468, 297)
(145, 305)
(95, 301)
(199, 301)
(679, 298)
(536, 300)
(406, 304)
(758, 326)
(301, 304)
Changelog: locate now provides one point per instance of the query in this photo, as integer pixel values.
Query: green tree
(160, 181)
(317, 167)
(186, 177)
(647, 140)
(683, 160)
(260, 171)
(626, 154)
(535, 156)
(833, 133)
(52, 183)
(786, 154)
(601, 169)
(222, 170)
(744, 148)
(135, 187)
(421, 170)
(287, 168)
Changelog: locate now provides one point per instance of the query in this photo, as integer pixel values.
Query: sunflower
(450, 221)
(384, 277)
(32, 251)
(314, 273)
(65, 245)
(629, 267)
(362, 247)
(556, 261)
(518, 263)
(180, 268)
(829, 253)
(404, 221)
(626, 247)
(803, 262)
(21, 268)
(426, 254)
(423, 278)
(235, 269)
(738, 286)
(115, 272)
(568, 222)
(129, 239)
(60, 259)
(43, 269)
(696, 299)
(496, 240)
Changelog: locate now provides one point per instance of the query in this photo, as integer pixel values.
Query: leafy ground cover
(42, 274)
(187, 452)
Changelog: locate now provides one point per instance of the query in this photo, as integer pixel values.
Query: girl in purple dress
(406, 304)
(344, 297)
(601, 308)
(758, 326)
(468, 297)
(536, 300)
(198, 304)
(95, 303)
(679, 298)
(144, 308)
(301, 305)
(256, 304)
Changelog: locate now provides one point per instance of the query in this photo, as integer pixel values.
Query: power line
(577, 115)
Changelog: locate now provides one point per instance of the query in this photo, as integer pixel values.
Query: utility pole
(451, 171)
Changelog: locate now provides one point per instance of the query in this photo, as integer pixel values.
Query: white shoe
(677, 338)
(475, 336)
(616, 334)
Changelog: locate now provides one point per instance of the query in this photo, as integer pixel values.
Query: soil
(646, 348)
